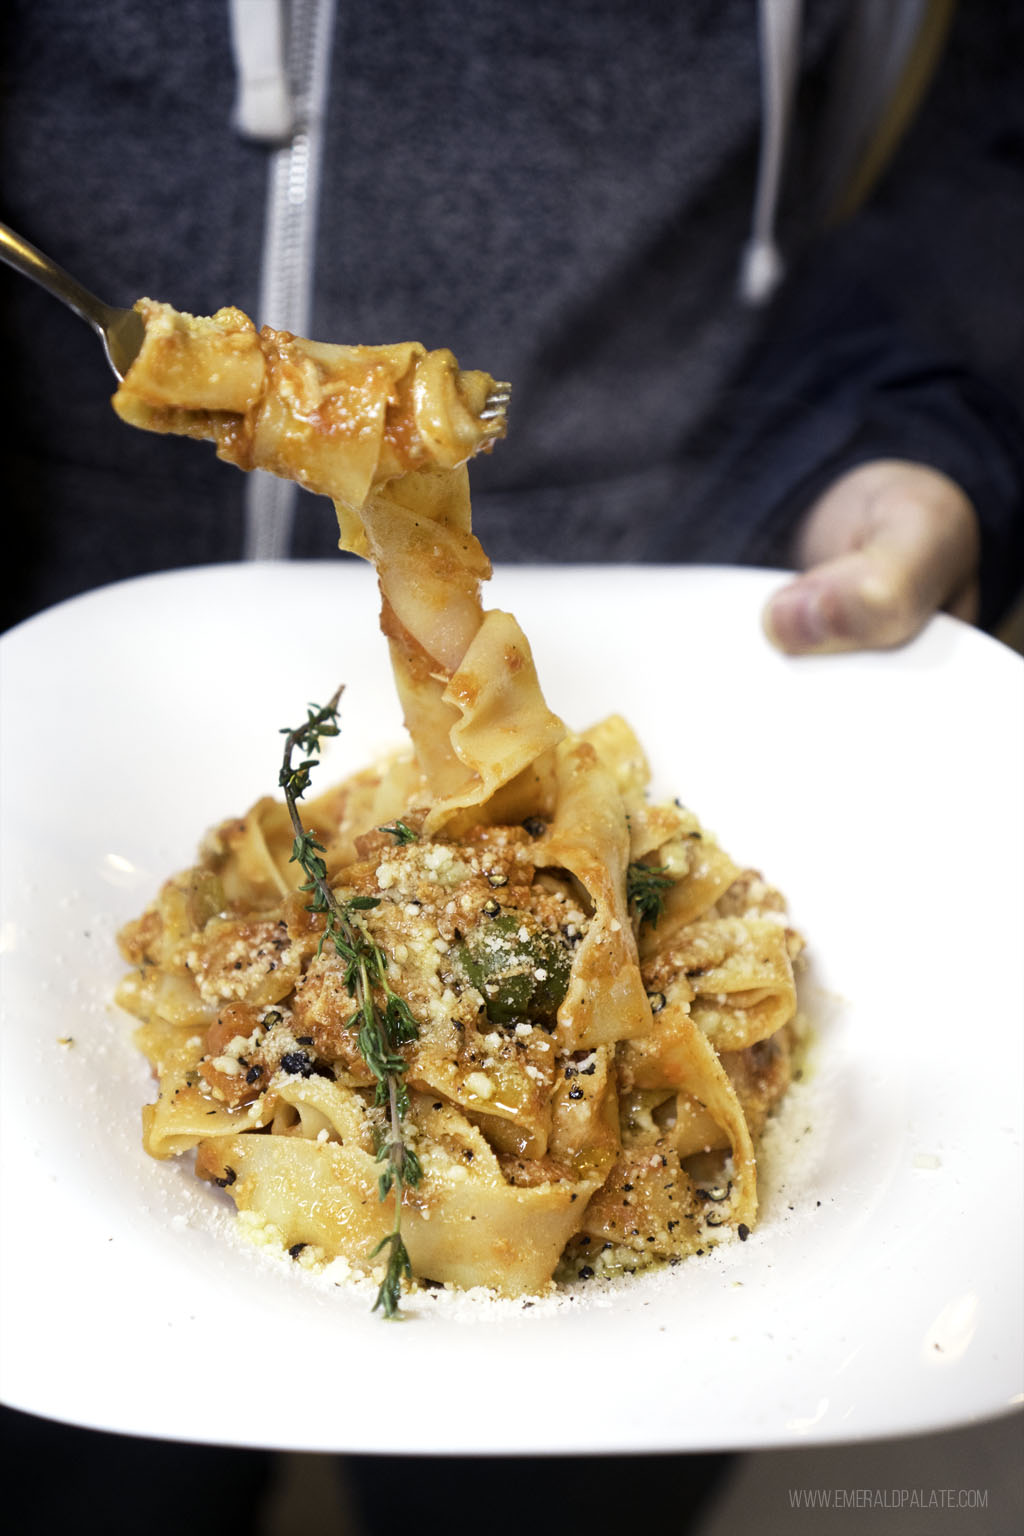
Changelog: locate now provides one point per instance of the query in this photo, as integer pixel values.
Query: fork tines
(496, 403)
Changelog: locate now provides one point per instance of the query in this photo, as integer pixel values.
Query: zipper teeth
(295, 173)
(289, 247)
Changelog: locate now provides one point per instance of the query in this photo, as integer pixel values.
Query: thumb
(857, 601)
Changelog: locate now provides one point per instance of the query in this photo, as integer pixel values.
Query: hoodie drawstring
(761, 269)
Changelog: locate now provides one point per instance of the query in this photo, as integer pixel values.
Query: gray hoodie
(566, 195)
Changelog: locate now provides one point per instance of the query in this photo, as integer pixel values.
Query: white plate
(880, 1293)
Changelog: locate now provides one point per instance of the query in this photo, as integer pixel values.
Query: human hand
(886, 546)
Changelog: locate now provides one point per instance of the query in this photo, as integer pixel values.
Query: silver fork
(120, 330)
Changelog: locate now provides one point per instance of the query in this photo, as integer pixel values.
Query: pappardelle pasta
(603, 1001)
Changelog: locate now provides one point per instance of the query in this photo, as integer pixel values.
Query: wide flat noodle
(652, 1197)
(589, 837)
(740, 974)
(465, 677)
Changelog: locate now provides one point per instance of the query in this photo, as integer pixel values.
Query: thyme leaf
(382, 1028)
(400, 832)
(646, 885)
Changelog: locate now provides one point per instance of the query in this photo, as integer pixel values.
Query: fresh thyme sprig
(382, 1030)
(646, 885)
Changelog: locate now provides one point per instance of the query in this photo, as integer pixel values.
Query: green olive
(519, 968)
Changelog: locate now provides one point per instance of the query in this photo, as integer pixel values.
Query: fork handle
(30, 262)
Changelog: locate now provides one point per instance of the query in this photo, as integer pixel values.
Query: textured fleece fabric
(560, 193)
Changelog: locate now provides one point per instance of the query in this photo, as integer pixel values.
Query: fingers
(889, 544)
(860, 601)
